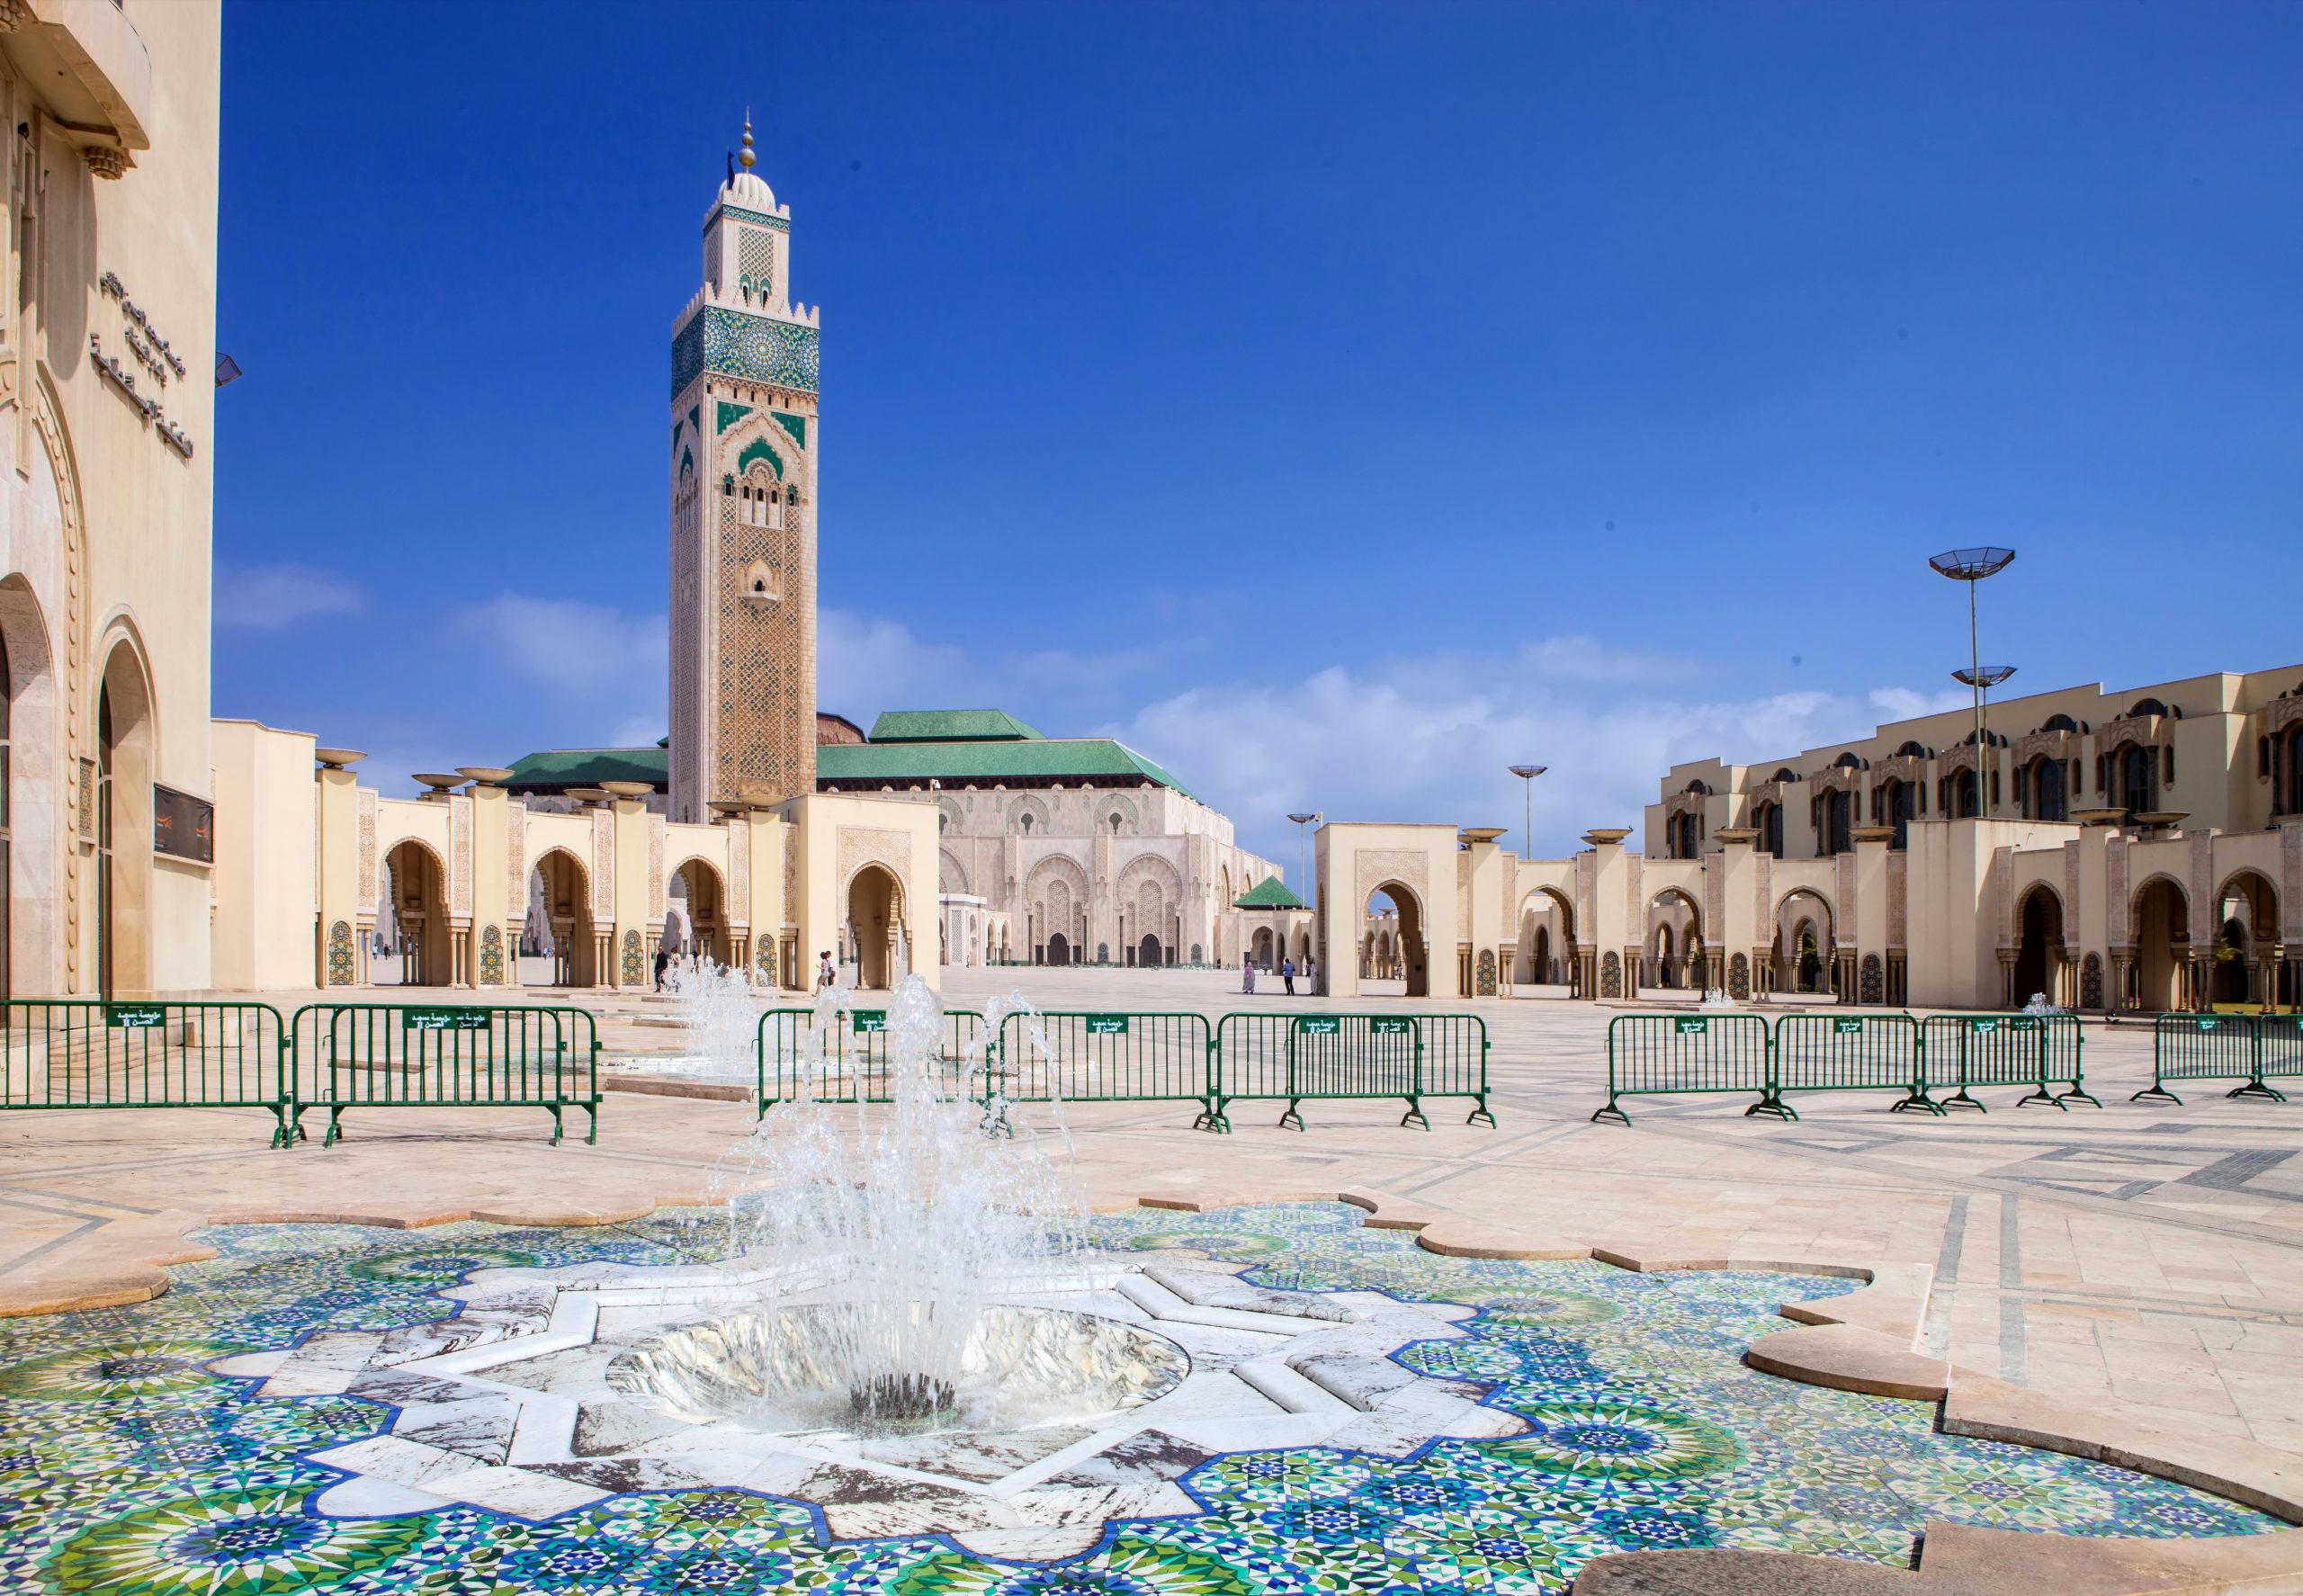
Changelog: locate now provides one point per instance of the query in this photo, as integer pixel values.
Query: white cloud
(1429, 739)
(573, 647)
(271, 597)
(865, 665)
(1904, 704)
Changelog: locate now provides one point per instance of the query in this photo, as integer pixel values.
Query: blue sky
(1337, 402)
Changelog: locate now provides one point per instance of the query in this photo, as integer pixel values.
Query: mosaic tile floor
(127, 1469)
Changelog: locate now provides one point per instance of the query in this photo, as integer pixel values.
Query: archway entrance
(1543, 953)
(559, 917)
(2039, 947)
(2253, 970)
(1059, 951)
(1412, 957)
(1676, 955)
(419, 904)
(2162, 945)
(125, 766)
(1804, 952)
(875, 926)
(1147, 952)
(707, 913)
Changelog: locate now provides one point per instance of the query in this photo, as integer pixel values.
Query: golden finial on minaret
(746, 158)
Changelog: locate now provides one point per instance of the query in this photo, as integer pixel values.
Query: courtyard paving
(2144, 1260)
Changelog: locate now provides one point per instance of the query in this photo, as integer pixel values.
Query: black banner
(183, 826)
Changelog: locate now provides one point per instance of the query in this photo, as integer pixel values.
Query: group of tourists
(1287, 974)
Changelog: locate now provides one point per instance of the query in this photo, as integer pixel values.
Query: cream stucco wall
(267, 857)
(104, 524)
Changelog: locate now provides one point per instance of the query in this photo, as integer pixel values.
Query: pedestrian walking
(663, 963)
(1248, 975)
(1287, 974)
(826, 973)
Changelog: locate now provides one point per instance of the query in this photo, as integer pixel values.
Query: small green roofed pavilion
(1271, 893)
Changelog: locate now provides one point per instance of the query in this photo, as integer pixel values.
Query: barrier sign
(135, 1016)
(1690, 1027)
(1319, 1024)
(1847, 1027)
(1391, 1025)
(867, 1021)
(1106, 1025)
(443, 1019)
(1983, 1024)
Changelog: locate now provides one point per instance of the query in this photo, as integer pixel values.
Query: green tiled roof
(588, 768)
(1038, 758)
(949, 725)
(1271, 893)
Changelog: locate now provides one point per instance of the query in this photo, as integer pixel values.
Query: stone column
(337, 792)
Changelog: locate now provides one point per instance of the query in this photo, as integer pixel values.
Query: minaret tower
(743, 488)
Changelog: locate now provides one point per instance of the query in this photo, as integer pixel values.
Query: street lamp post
(1972, 566)
(1983, 678)
(1527, 775)
(1302, 820)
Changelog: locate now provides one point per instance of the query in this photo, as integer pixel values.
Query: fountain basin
(554, 1389)
(1024, 1367)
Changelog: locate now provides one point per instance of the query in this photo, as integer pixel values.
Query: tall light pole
(1527, 775)
(1302, 820)
(1972, 566)
(1983, 678)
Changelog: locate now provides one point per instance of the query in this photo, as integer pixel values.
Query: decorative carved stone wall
(1873, 981)
(1486, 977)
(2121, 909)
(342, 970)
(740, 872)
(603, 868)
(1610, 974)
(515, 862)
(875, 845)
(1410, 867)
(656, 884)
(368, 885)
(459, 856)
(2090, 981)
(2200, 890)
(491, 957)
(635, 961)
(1739, 976)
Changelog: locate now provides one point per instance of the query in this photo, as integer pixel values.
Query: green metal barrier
(2038, 1050)
(81, 1052)
(444, 1055)
(2283, 1046)
(1081, 1057)
(1455, 1060)
(1652, 1054)
(1295, 1058)
(1850, 1053)
(853, 1067)
(2242, 1047)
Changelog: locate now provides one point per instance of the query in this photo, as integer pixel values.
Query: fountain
(882, 1236)
(894, 1314)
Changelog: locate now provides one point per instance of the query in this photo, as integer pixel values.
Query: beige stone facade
(1857, 871)
(1141, 876)
(107, 402)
